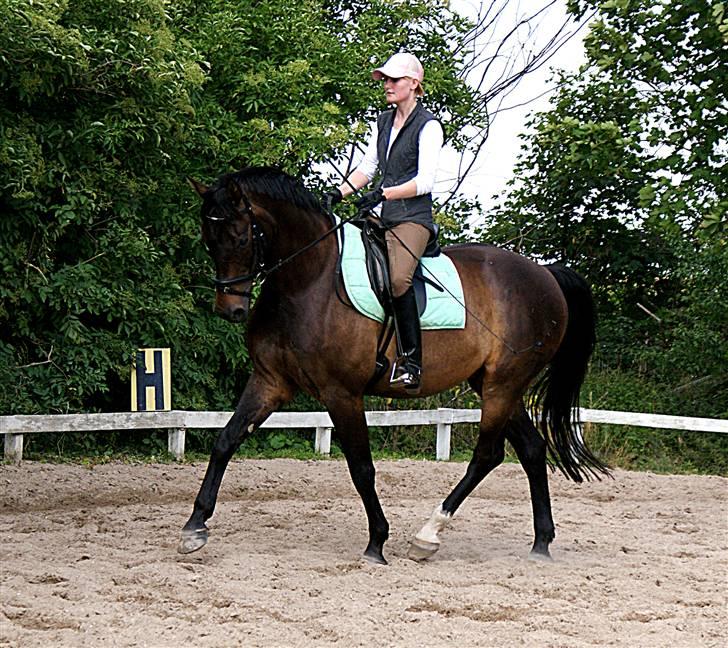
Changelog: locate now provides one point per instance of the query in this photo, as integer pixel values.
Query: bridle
(258, 269)
(259, 245)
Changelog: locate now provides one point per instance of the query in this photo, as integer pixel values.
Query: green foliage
(453, 217)
(93, 124)
(674, 55)
(105, 107)
(653, 449)
(625, 180)
(634, 148)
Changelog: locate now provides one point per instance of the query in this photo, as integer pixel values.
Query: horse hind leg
(487, 455)
(347, 415)
(530, 449)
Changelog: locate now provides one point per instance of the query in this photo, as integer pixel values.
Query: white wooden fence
(177, 421)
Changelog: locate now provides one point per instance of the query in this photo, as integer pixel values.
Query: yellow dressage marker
(151, 381)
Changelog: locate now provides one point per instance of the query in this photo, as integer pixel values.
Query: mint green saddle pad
(445, 309)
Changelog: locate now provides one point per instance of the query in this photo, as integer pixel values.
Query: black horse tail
(555, 404)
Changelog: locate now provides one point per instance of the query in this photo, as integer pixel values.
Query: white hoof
(533, 556)
(426, 542)
(192, 541)
(422, 549)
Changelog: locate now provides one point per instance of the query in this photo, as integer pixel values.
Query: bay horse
(523, 320)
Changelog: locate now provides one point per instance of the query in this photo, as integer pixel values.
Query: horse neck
(291, 229)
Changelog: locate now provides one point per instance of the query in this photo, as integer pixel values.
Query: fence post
(176, 443)
(444, 429)
(14, 447)
(323, 440)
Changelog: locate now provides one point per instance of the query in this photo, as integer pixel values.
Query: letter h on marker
(157, 377)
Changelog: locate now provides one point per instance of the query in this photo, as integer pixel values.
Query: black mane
(275, 184)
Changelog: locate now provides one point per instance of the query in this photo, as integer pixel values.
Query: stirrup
(406, 374)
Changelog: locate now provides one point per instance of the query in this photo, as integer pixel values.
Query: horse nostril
(237, 314)
(231, 312)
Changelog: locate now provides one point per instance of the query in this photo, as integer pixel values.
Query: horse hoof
(538, 556)
(422, 549)
(374, 558)
(192, 540)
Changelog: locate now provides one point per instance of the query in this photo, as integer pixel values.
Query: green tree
(625, 178)
(105, 107)
(673, 55)
(95, 118)
(634, 147)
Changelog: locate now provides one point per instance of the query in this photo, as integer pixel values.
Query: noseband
(258, 267)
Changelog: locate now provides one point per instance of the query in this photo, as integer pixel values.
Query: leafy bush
(105, 107)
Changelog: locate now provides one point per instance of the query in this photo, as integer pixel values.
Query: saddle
(377, 265)
(364, 273)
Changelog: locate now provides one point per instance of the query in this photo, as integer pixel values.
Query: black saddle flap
(376, 261)
(377, 264)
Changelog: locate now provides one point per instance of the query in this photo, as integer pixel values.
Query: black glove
(331, 198)
(370, 200)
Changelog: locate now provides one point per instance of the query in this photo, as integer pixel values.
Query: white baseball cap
(400, 65)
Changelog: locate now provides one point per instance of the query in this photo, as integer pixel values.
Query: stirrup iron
(406, 374)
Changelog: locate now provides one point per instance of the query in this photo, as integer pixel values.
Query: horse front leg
(530, 448)
(347, 415)
(258, 401)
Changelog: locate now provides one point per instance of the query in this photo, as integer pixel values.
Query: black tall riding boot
(408, 368)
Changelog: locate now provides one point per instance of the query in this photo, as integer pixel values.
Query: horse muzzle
(233, 310)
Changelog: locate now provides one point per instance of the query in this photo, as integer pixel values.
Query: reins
(536, 345)
(261, 273)
(308, 246)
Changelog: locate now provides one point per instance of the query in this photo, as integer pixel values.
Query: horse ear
(233, 192)
(197, 186)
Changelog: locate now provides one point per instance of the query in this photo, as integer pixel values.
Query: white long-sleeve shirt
(430, 144)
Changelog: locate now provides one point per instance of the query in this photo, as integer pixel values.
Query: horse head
(234, 241)
(254, 222)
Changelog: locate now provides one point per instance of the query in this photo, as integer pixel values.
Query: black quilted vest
(401, 166)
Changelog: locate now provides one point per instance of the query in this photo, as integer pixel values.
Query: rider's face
(397, 90)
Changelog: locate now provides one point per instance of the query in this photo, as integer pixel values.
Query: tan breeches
(406, 243)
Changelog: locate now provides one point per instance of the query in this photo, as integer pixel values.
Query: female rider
(403, 152)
